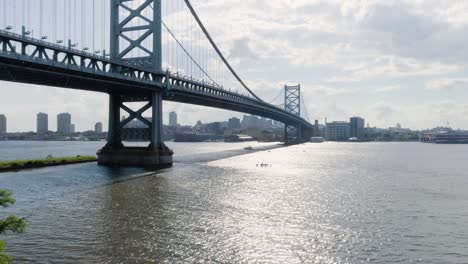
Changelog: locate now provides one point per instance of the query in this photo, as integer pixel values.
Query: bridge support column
(114, 139)
(156, 155)
(156, 122)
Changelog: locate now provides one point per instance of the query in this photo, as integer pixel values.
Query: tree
(10, 224)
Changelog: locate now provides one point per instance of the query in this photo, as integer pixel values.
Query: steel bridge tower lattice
(292, 104)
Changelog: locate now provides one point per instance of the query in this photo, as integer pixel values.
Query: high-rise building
(173, 119)
(98, 127)
(234, 123)
(251, 122)
(42, 123)
(356, 127)
(316, 128)
(277, 124)
(338, 131)
(3, 124)
(64, 123)
(72, 128)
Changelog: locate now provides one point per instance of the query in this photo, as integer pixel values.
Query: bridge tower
(292, 104)
(141, 19)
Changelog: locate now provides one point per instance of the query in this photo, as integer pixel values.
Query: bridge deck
(26, 60)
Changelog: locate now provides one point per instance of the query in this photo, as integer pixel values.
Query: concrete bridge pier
(114, 153)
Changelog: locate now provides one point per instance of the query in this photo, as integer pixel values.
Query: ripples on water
(313, 203)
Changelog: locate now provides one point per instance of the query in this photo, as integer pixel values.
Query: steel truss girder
(122, 29)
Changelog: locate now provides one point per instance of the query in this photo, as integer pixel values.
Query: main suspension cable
(213, 44)
(305, 109)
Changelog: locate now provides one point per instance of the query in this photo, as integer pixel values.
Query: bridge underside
(35, 73)
(12, 70)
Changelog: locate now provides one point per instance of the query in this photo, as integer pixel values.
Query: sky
(388, 61)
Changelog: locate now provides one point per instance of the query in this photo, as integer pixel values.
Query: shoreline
(18, 165)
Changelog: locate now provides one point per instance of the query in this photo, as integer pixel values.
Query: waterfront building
(42, 124)
(137, 123)
(173, 119)
(98, 127)
(338, 131)
(64, 123)
(234, 123)
(3, 124)
(72, 128)
(250, 121)
(277, 123)
(357, 127)
(316, 128)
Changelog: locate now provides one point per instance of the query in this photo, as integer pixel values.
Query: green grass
(37, 163)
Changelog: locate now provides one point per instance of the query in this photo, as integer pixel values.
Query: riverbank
(16, 165)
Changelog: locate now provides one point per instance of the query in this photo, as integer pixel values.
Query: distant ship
(317, 140)
(196, 137)
(238, 138)
(446, 137)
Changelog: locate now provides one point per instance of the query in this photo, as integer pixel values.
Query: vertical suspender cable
(213, 44)
(69, 21)
(4, 13)
(83, 36)
(64, 21)
(14, 15)
(172, 41)
(93, 25)
(28, 16)
(74, 21)
(22, 12)
(55, 20)
(40, 18)
(102, 27)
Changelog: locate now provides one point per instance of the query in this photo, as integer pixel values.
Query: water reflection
(329, 203)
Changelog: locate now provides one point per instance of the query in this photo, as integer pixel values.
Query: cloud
(447, 84)
(328, 90)
(383, 111)
(388, 88)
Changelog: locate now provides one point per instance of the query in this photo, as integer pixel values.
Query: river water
(311, 203)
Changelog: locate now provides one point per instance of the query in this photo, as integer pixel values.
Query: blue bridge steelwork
(33, 61)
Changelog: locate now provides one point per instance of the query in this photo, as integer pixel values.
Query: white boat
(317, 140)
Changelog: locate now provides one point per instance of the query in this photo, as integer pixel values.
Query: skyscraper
(356, 125)
(173, 119)
(72, 128)
(42, 123)
(98, 127)
(64, 123)
(234, 123)
(3, 124)
(316, 128)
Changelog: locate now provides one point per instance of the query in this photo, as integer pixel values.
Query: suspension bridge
(142, 51)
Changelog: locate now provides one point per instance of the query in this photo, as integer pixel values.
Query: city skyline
(42, 120)
(387, 81)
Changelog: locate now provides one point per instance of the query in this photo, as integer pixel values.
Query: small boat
(317, 140)
(248, 148)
